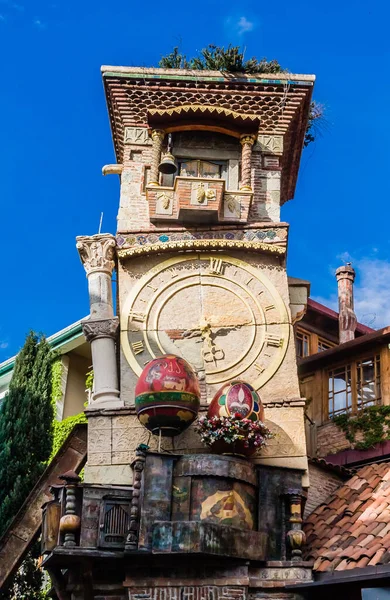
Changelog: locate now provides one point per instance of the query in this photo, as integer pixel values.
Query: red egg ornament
(167, 395)
(237, 398)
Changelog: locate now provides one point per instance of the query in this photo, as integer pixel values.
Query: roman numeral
(249, 280)
(259, 368)
(138, 347)
(273, 340)
(269, 307)
(216, 266)
(137, 316)
(152, 287)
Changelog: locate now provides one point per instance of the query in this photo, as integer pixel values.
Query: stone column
(157, 138)
(247, 142)
(97, 255)
(347, 319)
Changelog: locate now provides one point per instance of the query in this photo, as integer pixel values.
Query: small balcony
(196, 200)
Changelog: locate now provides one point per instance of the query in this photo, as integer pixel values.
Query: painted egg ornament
(167, 395)
(237, 398)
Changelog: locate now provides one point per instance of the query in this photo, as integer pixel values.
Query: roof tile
(353, 529)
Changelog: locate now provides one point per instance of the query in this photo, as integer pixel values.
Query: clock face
(217, 312)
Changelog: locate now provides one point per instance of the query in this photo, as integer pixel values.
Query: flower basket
(233, 435)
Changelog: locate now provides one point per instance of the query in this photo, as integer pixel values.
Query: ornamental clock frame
(220, 313)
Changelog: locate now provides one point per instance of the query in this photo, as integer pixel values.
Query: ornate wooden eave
(280, 104)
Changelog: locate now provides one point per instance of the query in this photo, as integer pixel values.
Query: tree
(26, 417)
(26, 437)
(28, 581)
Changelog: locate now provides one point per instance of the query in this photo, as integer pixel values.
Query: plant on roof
(218, 58)
(232, 60)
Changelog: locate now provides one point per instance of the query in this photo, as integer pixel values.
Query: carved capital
(247, 139)
(158, 135)
(97, 253)
(100, 328)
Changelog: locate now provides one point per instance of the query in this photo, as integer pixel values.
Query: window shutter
(114, 523)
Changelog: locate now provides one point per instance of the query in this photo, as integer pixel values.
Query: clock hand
(213, 352)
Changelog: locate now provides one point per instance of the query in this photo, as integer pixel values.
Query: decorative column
(70, 522)
(157, 138)
(247, 142)
(138, 467)
(295, 537)
(347, 319)
(97, 255)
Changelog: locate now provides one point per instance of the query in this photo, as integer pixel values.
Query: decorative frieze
(269, 240)
(271, 144)
(100, 328)
(137, 135)
(97, 253)
(191, 592)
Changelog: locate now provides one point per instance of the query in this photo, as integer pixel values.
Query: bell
(167, 166)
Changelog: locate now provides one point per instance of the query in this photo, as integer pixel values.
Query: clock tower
(201, 252)
(205, 159)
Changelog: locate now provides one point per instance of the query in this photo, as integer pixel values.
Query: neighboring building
(75, 356)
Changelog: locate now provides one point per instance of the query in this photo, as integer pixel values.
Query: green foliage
(89, 380)
(26, 418)
(62, 429)
(28, 582)
(218, 58)
(373, 423)
(232, 60)
(56, 381)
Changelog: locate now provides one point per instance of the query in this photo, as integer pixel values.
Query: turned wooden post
(157, 138)
(70, 522)
(247, 142)
(138, 467)
(295, 537)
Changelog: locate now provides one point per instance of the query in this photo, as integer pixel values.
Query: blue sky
(55, 138)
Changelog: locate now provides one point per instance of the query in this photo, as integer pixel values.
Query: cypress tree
(26, 417)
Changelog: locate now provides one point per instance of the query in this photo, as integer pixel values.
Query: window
(354, 386)
(302, 341)
(340, 391)
(202, 168)
(308, 342)
(324, 345)
(368, 382)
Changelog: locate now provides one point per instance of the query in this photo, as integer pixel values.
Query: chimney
(347, 319)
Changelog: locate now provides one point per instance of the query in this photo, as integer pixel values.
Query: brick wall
(134, 210)
(331, 439)
(322, 485)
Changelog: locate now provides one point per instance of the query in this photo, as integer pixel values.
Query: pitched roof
(332, 314)
(352, 529)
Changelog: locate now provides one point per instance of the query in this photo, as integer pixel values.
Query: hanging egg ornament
(167, 395)
(237, 398)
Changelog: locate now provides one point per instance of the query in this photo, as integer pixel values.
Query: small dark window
(114, 523)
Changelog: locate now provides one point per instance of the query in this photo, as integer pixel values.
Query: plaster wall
(75, 396)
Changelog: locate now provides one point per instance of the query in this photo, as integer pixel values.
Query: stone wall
(322, 485)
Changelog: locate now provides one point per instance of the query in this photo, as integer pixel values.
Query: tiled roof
(352, 529)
